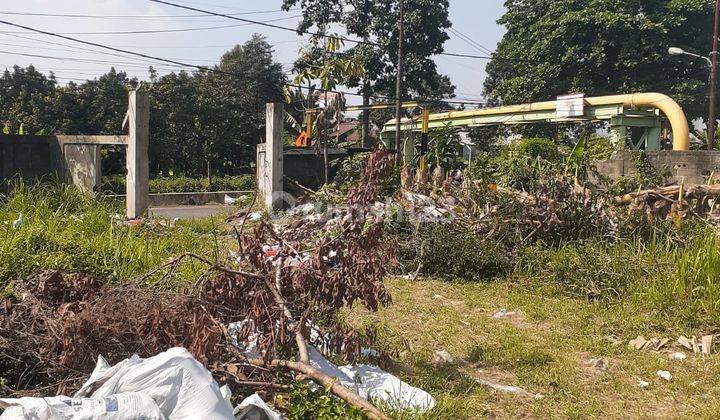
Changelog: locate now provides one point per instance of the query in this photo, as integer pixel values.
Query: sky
(474, 31)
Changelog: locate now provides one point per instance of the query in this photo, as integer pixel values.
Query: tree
(601, 47)
(232, 102)
(26, 99)
(376, 21)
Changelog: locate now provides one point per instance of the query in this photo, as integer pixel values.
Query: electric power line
(471, 42)
(176, 63)
(159, 31)
(306, 32)
(135, 16)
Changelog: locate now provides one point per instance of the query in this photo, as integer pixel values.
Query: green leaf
(575, 159)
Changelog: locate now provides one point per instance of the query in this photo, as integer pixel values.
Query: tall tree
(232, 102)
(602, 47)
(26, 98)
(376, 21)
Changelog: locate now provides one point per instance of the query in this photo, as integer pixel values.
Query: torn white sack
(176, 384)
(375, 385)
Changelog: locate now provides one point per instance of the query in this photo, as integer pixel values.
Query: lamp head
(675, 51)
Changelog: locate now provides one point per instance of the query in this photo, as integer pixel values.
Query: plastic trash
(125, 406)
(19, 222)
(678, 355)
(375, 385)
(643, 384)
(254, 408)
(255, 216)
(229, 200)
(665, 375)
(503, 313)
(171, 385)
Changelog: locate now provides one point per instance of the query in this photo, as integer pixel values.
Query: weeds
(66, 230)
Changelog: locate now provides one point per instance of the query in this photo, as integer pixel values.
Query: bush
(304, 403)
(116, 184)
(534, 148)
(452, 254)
(599, 148)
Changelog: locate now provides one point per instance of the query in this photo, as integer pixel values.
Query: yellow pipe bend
(668, 106)
(675, 114)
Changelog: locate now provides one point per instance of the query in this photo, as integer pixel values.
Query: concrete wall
(42, 157)
(694, 166)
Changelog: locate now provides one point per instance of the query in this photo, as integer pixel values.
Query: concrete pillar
(270, 169)
(83, 164)
(138, 166)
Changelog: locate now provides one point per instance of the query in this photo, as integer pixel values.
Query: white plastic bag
(171, 385)
(127, 406)
(375, 385)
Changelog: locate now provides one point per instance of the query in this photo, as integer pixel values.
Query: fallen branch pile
(284, 289)
(675, 200)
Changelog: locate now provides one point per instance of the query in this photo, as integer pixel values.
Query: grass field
(545, 348)
(654, 289)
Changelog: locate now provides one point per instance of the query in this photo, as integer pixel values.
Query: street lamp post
(712, 62)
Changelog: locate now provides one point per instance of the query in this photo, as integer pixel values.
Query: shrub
(115, 184)
(599, 148)
(534, 148)
(452, 254)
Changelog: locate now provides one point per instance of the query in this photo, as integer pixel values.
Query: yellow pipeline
(675, 114)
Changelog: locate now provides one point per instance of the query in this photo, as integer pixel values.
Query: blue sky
(475, 19)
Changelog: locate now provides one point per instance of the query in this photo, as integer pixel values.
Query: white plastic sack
(375, 385)
(131, 405)
(171, 385)
(254, 408)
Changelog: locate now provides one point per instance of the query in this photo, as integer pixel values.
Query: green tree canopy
(376, 21)
(602, 47)
(198, 120)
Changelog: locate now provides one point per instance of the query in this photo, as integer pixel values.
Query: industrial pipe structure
(630, 110)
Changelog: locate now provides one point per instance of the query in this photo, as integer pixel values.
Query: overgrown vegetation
(115, 184)
(60, 228)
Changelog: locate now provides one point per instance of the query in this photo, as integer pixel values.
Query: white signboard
(569, 106)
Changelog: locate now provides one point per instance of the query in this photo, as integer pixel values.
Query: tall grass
(676, 282)
(66, 230)
(688, 291)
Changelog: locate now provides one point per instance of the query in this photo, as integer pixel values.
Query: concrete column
(83, 164)
(271, 178)
(138, 167)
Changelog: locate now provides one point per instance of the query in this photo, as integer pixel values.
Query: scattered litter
(374, 384)
(303, 210)
(170, 385)
(702, 345)
(654, 344)
(597, 363)
(19, 222)
(678, 355)
(254, 408)
(442, 357)
(706, 341)
(643, 384)
(255, 216)
(503, 313)
(665, 375)
(229, 200)
(507, 388)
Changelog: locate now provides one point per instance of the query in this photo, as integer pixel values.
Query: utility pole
(366, 117)
(713, 80)
(398, 85)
